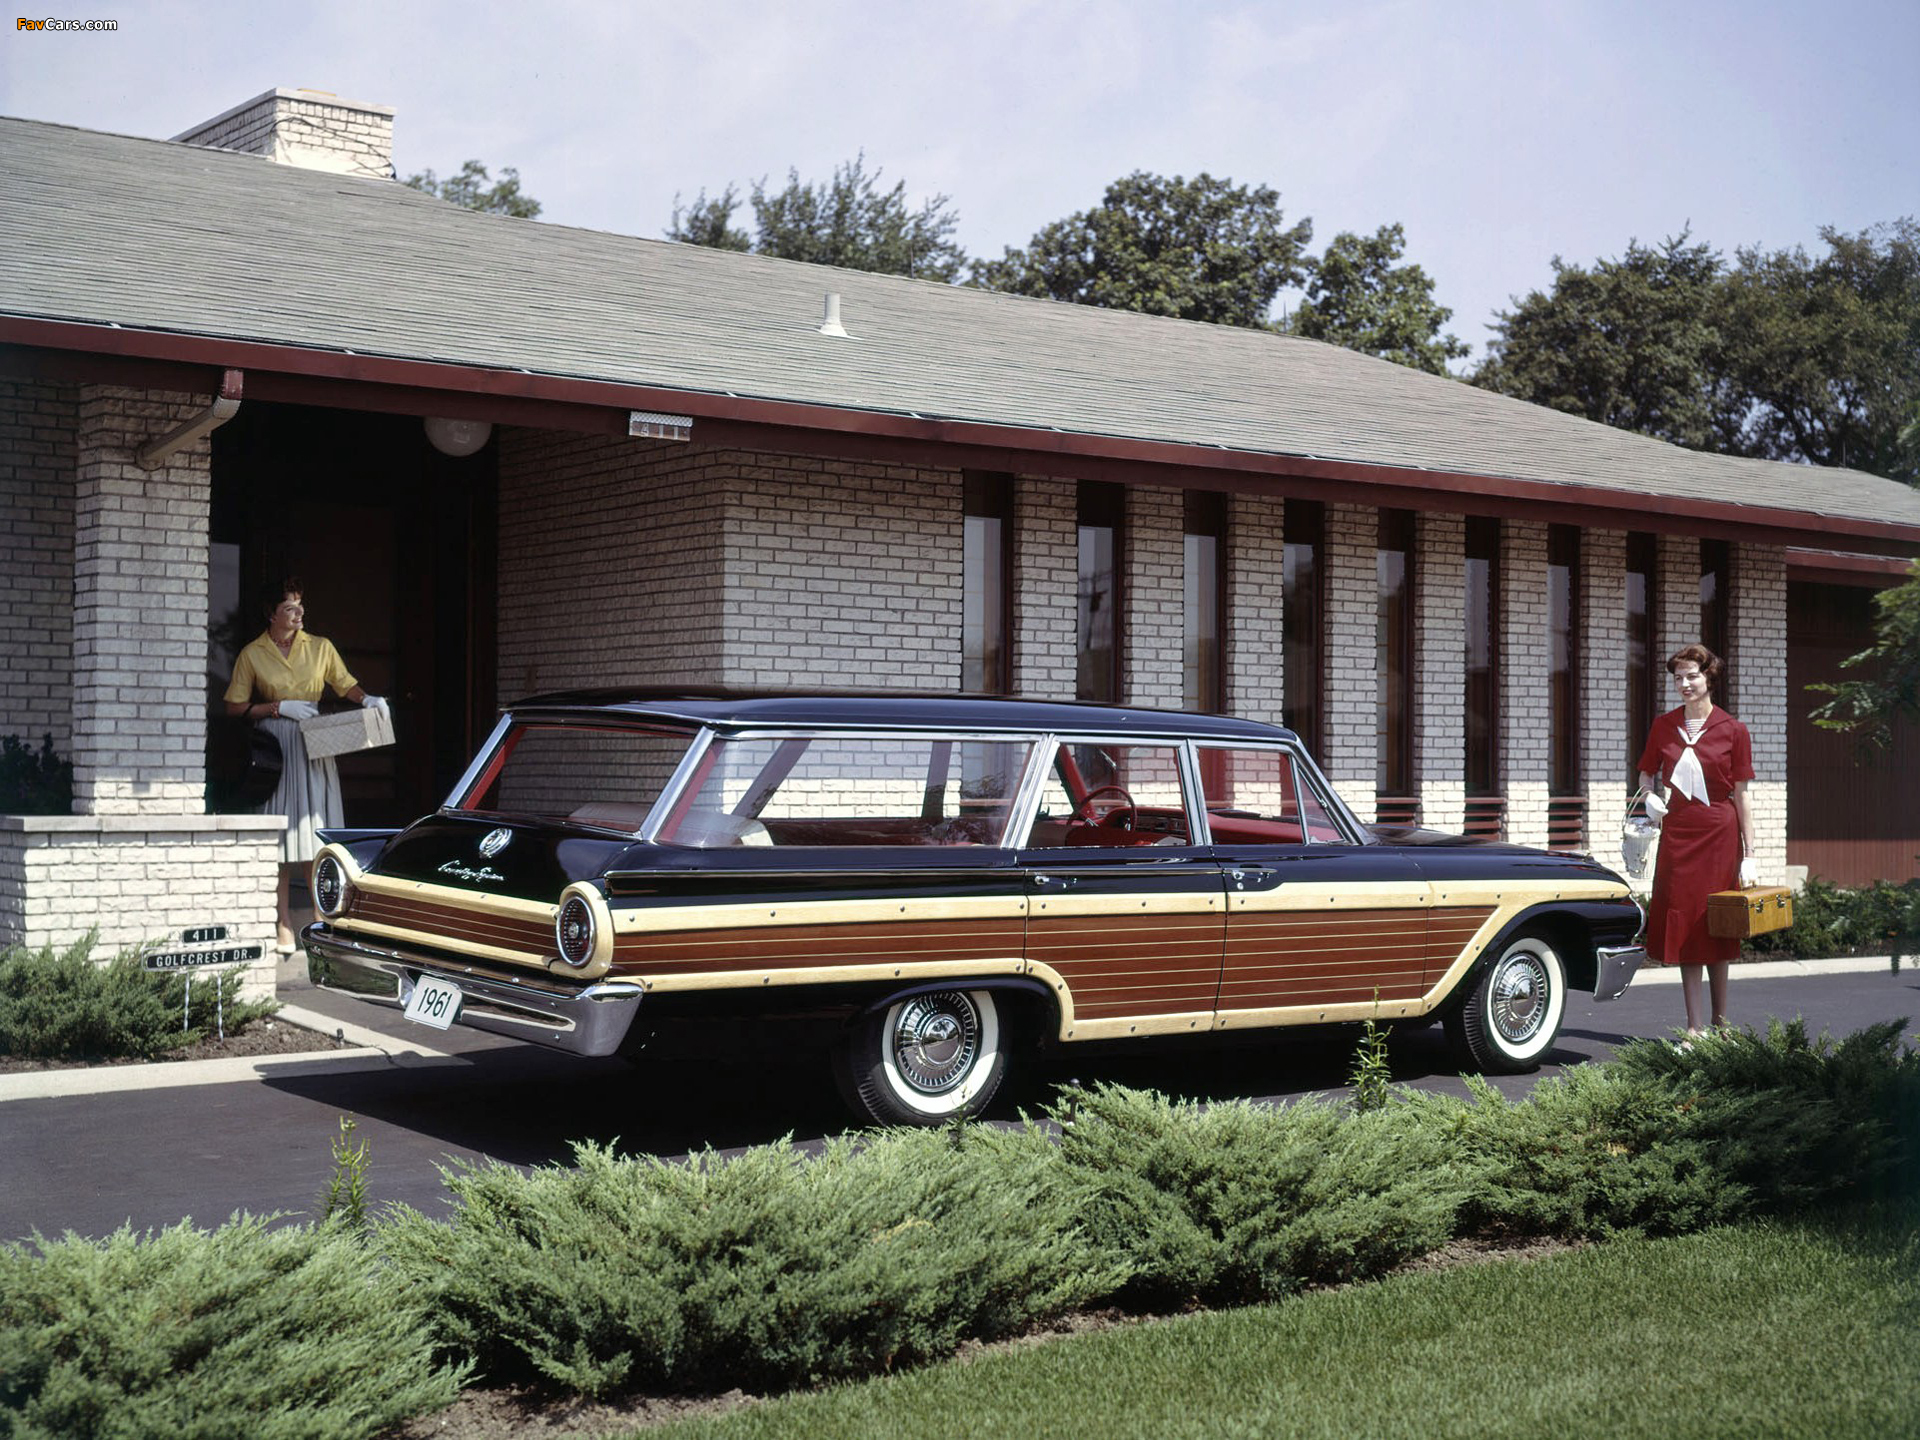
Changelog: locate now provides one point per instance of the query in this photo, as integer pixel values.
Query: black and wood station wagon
(941, 882)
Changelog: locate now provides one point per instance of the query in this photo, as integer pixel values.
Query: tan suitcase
(1742, 914)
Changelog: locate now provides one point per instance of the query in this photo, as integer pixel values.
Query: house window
(1566, 807)
(1483, 656)
(1643, 665)
(1101, 507)
(986, 661)
(1301, 573)
(1393, 572)
(1716, 575)
(1205, 601)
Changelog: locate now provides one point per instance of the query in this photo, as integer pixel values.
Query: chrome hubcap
(1518, 997)
(935, 1041)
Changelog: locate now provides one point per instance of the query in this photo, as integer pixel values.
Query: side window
(1260, 797)
(1113, 794)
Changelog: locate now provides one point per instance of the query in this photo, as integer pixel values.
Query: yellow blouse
(263, 673)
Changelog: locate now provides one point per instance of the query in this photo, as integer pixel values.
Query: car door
(1320, 926)
(1126, 910)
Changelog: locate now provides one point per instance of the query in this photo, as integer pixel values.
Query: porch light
(457, 438)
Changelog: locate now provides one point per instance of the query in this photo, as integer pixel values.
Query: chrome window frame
(1181, 745)
(671, 793)
(1304, 772)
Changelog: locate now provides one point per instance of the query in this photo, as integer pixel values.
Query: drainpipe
(154, 453)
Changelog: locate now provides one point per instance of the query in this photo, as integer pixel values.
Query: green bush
(769, 1269)
(242, 1331)
(63, 1006)
(34, 782)
(1665, 1141)
(1234, 1203)
(1828, 920)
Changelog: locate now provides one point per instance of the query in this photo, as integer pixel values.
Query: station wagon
(938, 885)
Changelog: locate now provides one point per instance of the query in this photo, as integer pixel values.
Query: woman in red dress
(1696, 765)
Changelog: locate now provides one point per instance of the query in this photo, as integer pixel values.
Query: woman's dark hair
(1708, 662)
(272, 595)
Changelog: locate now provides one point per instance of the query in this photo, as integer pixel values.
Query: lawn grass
(1773, 1329)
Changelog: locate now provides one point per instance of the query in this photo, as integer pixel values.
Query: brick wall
(36, 561)
(840, 573)
(610, 562)
(1256, 596)
(1677, 573)
(1154, 589)
(1440, 688)
(1046, 568)
(308, 128)
(1524, 666)
(1604, 741)
(1757, 623)
(140, 603)
(1351, 725)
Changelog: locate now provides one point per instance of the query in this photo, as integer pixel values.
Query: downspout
(154, 453)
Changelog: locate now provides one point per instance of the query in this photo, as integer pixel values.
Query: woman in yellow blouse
(277, 682)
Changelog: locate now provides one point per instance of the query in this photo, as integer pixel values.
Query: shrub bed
(1829, 920)
(272, 1334)
(64, 1006)
(772, 1269)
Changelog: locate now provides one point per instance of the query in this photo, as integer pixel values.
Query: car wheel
(925, 1059)
(1513, 1009)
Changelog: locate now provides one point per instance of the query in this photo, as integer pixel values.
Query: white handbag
(1639, 838)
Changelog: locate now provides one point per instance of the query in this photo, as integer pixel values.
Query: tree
(709, 222)
(1200, 249)
(847, 221)
(1358, 297)
(1826, 352)
(1869, 707)
(1633, 342)
(469, 189)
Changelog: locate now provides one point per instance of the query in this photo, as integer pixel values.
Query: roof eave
(348, 379)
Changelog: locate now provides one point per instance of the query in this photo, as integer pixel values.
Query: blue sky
(1499, 134)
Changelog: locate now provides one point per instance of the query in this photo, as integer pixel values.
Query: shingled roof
(170, 239)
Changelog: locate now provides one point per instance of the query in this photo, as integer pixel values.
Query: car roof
(730, 709)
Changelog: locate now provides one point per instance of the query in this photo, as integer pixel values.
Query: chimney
(314, 129)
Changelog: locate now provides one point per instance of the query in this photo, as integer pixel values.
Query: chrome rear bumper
(582, 1020)
(1615, 968)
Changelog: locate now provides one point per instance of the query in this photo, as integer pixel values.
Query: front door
(1319, 926)
(1126, 915)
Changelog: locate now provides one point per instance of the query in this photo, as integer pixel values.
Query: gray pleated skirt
(308, 794)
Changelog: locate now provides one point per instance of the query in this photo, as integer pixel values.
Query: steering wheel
(1127, 811)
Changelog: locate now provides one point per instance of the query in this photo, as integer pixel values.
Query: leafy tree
(709, 222)
(1360, 298)
(1869, 707)
(1200, 249)
(1633, 342)
(847, 221)
(1826, 352)
(470, 190)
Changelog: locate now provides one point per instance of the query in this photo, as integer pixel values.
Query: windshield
(607, 776)
(850, 790)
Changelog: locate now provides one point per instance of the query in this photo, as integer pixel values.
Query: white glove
(1749, 873)
(297, 709)
(374, 702)
(1656, 807)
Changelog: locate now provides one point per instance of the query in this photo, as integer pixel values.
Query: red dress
(1699, 844)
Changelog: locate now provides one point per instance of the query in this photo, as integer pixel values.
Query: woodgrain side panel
(819, 946)
(1133, 964)
(1309, 957)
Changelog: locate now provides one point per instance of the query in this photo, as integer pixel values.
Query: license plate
(433, 1002)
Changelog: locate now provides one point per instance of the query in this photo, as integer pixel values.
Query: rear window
(607, 776)
(850, 790)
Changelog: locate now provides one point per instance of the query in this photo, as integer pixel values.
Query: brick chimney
(311, 128)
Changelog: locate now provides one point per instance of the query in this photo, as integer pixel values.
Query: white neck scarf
(1688, 778)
